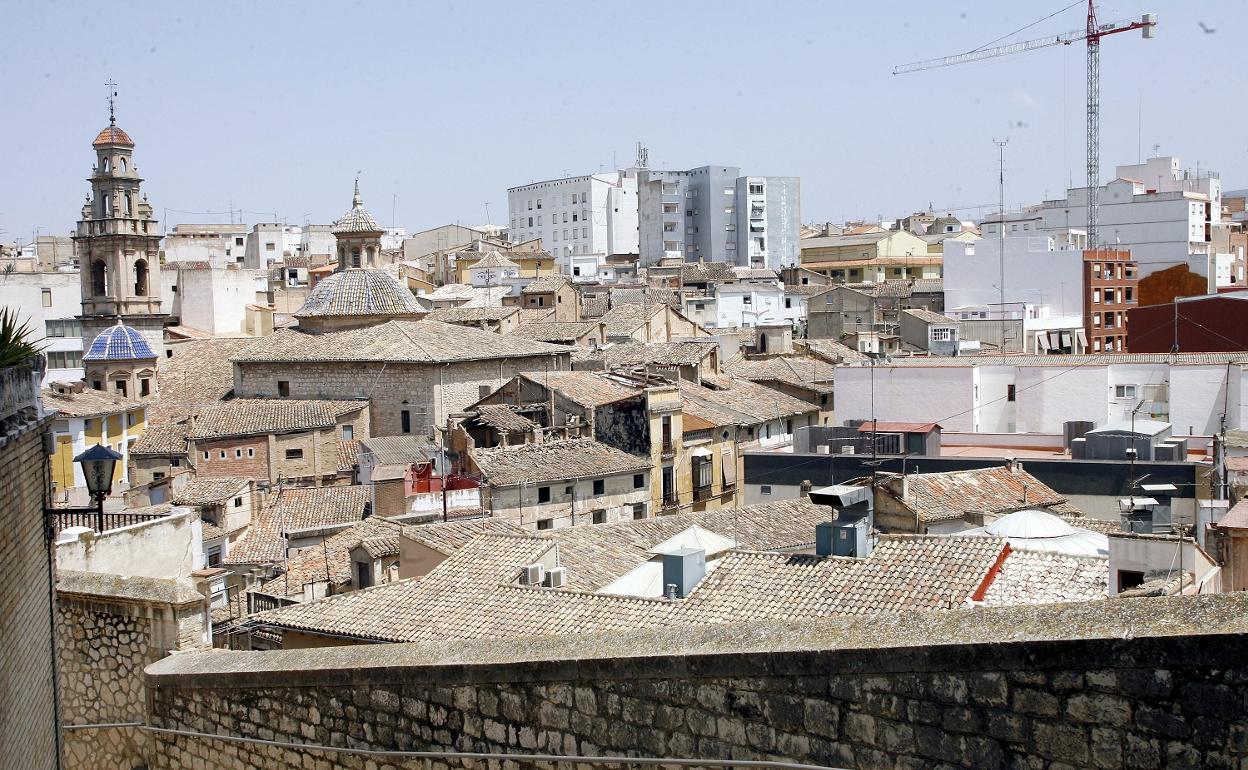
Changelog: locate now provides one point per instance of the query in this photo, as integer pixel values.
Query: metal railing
(702, 493)
(100, 522)
(258, 602)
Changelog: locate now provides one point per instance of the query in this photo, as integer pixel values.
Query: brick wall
(28, 739)
(254, 466)
(973, 688)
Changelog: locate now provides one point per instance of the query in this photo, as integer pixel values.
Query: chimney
(1013, 465)
(682, 569)
(804, 489)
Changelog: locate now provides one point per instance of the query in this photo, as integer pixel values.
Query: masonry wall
(28, 739)
(833, 692)
(104, 645)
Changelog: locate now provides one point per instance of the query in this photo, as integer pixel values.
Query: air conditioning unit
(556, 577)
(532, 575)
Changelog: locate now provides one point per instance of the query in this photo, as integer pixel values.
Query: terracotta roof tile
(253, 416)
(358, 292)
(198, 374)
(1036, 577)
(88, 403)
(944, 496)
(211, 490)
(293, 509)
(504, 418)
(169, 439)
(554, 460)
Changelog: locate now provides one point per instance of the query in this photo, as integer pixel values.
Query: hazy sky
(273, 107)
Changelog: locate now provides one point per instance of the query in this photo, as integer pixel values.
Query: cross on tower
(112, 94)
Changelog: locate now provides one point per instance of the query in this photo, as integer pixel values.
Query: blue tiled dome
(119, 343)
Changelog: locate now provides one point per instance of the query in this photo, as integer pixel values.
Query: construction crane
(1092, 34)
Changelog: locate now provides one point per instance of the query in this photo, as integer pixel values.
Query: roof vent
(683, 568)
(532, 575)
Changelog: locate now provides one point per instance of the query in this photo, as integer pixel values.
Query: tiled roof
(1037, 577)
(88, 403)
(555, 331)
(359, 292)
(394, 342)
(493, 259)
(927, 286)
(618, 296)
(754, 274)
(831, 350)
(398, 450)
(594, 307)
(358, 219)
(741, 403)
(211, 491)
(252, 416)
(112, 135)
(199, 373)
(847, 239)
(118, 343)
(589, 389)
(632, 354)
(504, 418)
(348, 454)
(545, 284)
(707, 272)
(1237, 439)
(930, 317)
(466, 295)
(623, 320)
(471, 314)
(168, 439)
(449, 536)
(553, 460)
(331, 562)
(530, 315)
(944, 496)
(662, 296)
(807, 372)
(293, 509)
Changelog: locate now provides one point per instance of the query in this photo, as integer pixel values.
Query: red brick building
(1212, 323)
(1110, 286)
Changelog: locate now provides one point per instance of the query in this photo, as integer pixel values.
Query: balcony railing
(257, 602)
(666, 447)
(702, 493)
(100, 522)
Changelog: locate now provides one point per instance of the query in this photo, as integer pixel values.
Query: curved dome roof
(112, 135)
(359, 292)
(358, 219)
(119, 343)
(1030, 523)
(1034, 530)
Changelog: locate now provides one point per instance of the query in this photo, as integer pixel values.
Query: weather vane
(112, 95)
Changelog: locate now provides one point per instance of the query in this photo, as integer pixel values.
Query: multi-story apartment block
(47, 302)
(1164, 214)
(1110, 282)
(218, 245)
(712, 213)
(591, 214)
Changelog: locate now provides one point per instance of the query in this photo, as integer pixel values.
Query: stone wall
(104, 644)
(29, 737)
(1144, 683)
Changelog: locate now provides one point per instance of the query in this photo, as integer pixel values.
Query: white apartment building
(213, 299)
(218, 245)
(1038, 394)
(591, 214)
(1163, 213)
(48, 304)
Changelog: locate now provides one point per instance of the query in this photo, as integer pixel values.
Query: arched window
(140, 278)
(372, 257)
(355, 257)
(99, 278)
(106, 165)
(762, 342)
(123, 164)
(129, 211)
(108, 204)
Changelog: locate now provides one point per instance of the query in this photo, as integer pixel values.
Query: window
(205, 455)
(1129, 579)
(348, 432)
(405, 421)
(600, 517)
(238, 453)
(363, 574)
(764, 490)
(238, 502)
(283, 388)
(64, 359)
(600, 486)
(639, 480)
(251, 452)
(756, 189)
(145, 386)
(45, 296)
(1010, 392)
(294, 454)
(175, 462)
(121, 387)
(788, 426)
(270, 246)
(222, 454)
(63, 327)
(545, 523)
(1096, 296)
(639, 510)
(213, 556)
(788, 302)
(942, 335)
(158, 475)
(1124, 391)
(543, 494)
(140, 278)
(238, 241)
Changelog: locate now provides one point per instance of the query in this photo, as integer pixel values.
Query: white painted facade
(595, 213)
(170, 548)
(218, 245)
(1158, 210)
(215, 300)
(48, 304)
(746, 304)
(974, 396)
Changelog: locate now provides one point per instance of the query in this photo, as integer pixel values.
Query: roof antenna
(112, 95)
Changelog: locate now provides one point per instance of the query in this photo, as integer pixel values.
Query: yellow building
(84, 418)
(863, 246)
(533, 264)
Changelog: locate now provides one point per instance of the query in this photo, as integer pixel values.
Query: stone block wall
(29, 737)
(922, 691)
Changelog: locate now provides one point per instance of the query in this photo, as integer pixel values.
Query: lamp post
(98, 464)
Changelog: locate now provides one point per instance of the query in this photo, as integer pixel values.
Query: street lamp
(97, 464)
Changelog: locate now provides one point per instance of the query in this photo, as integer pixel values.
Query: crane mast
(1091, 34)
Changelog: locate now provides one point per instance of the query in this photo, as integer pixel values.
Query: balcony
(702, 493)
(670, 499)
(100, 522)
(666, 448)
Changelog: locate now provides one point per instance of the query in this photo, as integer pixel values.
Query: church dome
(119, 343)
(358, 219)
(112, 135)
(358, 292)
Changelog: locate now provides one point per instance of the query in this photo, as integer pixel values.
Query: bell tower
(118, 244)
(358, 236)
